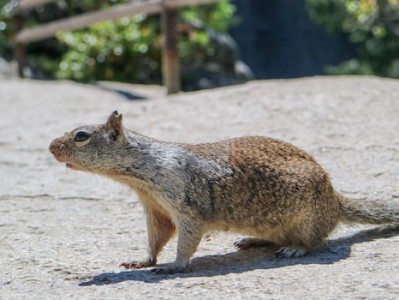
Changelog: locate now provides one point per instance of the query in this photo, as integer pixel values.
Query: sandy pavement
(64, 233)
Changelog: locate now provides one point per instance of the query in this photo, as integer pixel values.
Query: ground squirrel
(258, 186)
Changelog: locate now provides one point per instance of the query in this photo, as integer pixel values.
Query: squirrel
(261, 187)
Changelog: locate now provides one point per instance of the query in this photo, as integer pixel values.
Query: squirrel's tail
(367, 212)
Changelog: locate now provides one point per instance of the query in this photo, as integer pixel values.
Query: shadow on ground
(122, 92)
(248, 260)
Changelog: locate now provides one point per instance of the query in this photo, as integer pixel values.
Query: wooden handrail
(30, 4)
(170, 70)
(84, 20)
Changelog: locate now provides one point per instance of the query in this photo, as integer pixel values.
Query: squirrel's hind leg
(300, 242)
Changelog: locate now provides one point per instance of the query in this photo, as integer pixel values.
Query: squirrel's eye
(81, 136)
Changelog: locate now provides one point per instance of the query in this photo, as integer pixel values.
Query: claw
(290, 252)
(139, 264)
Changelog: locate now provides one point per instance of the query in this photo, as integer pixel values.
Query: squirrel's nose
(53, 147)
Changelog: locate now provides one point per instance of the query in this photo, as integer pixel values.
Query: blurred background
(219, 43)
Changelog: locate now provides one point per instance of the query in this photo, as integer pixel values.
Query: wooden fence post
(20, 48)
(170, 56)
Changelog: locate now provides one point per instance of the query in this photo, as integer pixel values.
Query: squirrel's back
(265, 183)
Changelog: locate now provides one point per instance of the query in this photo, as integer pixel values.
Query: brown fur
(257, 186)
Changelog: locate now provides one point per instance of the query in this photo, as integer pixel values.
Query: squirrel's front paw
(139, 264)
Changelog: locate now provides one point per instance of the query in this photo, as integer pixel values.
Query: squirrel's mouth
(72, 166)
(69, 166)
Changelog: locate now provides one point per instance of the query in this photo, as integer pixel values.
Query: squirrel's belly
(263, 230)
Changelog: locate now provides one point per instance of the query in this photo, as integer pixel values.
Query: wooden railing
(166, 8)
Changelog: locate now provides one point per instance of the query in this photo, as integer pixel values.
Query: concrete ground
(63, 233)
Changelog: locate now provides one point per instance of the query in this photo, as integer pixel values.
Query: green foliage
(130, 49)
(6, 29)
(217, 16)
(195, 46)
(122, 50)
(367, 24)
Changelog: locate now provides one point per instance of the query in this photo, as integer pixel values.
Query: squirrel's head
(88, 148)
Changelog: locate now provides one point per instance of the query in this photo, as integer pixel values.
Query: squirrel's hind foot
(290, 252)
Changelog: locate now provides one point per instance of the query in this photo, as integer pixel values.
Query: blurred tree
(372, 25)
(128, 49)
(122, 50)
(43, 56)
(6, 29)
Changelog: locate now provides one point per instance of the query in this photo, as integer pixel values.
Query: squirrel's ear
(114, 122)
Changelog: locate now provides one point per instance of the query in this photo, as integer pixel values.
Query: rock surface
(64, 233)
